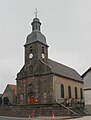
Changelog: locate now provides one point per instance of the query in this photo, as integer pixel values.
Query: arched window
(76, 96)
(30, 89)
(62, 91)
(81, 93)
(6, 100)
(69, 91)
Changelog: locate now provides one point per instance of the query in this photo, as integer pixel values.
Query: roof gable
(11, 87)
(84, 74)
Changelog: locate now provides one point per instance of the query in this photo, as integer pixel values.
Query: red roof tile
(13, 88)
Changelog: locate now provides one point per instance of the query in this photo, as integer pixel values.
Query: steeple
(36, 35)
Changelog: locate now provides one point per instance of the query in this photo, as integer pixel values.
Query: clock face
(43, 55)
(31, 55)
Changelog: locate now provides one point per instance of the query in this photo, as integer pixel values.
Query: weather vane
(36, 12)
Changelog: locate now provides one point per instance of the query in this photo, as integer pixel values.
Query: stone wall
(41, 87)
(38, 110)
(58, 81)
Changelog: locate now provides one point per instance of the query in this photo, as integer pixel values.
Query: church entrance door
(31, 100)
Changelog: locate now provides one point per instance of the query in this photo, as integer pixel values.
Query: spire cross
(36, 12)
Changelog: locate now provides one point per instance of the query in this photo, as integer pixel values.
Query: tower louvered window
(42, 49)
(31, 49)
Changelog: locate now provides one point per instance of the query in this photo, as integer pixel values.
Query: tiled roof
(58, 69)
(13, 87)
(63, 70)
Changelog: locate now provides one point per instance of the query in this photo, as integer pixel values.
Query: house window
(81, 93)
(69, 91)
(5, 100)
(76, 96)
(62, 91)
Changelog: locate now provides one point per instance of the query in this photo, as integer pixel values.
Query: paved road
(36, 118)
(83, 118)
(16, 118)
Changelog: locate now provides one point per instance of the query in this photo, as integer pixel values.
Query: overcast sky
(65, 23)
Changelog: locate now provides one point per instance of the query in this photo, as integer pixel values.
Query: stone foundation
(37, 110)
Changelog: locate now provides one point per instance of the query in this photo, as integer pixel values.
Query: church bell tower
(36, 48)
(35, 69)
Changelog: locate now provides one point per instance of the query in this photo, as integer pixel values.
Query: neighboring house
(43, 80)
(87, 89)
(9, 95)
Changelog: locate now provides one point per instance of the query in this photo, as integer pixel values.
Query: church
(42, 80)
